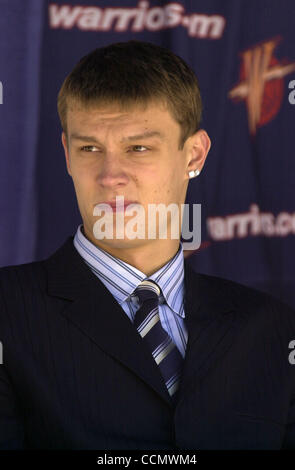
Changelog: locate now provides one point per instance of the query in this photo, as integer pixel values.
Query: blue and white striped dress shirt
(121, 279)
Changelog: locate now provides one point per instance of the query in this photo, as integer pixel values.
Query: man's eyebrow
(144, 135)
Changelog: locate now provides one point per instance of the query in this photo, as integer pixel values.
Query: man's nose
(112, 171)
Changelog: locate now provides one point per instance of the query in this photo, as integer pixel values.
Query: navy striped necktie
(148, 324)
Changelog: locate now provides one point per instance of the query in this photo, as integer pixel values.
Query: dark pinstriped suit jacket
(76, 375)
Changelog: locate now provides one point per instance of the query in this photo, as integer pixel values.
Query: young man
(115, 342)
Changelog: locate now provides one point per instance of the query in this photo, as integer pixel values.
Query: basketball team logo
(261, 83)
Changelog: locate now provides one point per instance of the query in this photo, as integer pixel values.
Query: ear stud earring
(193, 173)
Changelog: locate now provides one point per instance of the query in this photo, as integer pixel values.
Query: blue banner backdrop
(243, 53)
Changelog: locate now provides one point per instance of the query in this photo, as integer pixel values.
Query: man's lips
(114, 203)
(117, 206)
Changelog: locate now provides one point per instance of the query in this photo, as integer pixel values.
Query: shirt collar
(122, 278)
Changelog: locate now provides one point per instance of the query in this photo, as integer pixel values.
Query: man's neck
(146, 257)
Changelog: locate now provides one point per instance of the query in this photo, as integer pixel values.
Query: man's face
(132, 153)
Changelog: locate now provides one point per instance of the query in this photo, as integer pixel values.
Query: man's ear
(66, 150)
(198, 147)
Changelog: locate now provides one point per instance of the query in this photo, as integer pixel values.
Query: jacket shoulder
(22, 276)
(34, 274)
(246, 297)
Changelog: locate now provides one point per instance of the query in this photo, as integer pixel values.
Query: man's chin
(121, 243)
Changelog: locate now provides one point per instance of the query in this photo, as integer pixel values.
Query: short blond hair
(130, 73)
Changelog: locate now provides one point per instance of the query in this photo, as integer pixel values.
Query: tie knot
(147, 290)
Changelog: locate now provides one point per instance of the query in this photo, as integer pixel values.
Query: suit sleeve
(11, 426)
(289, 439)
(11, 423)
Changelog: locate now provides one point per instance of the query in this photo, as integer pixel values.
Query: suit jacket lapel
(212, 321)
(92, 308)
